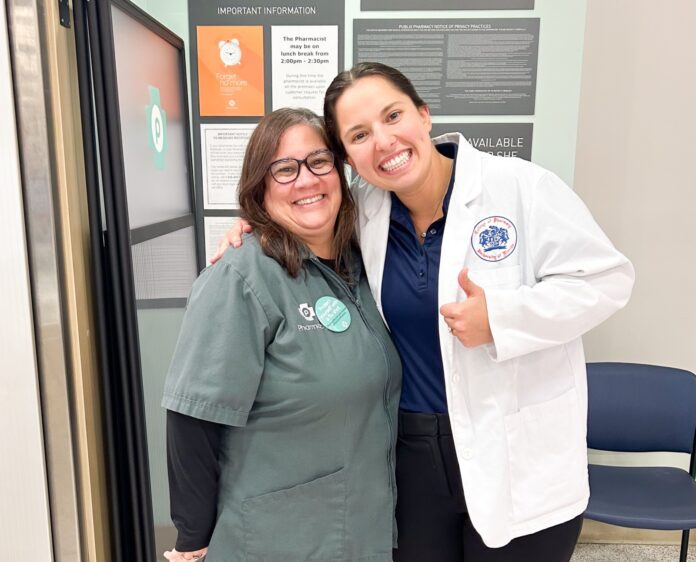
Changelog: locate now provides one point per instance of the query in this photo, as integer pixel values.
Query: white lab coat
(518, 406)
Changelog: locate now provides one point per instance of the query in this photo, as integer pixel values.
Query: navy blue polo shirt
(409, 302)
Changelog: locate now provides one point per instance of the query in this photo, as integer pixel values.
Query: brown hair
(346, 79)
(276, 241)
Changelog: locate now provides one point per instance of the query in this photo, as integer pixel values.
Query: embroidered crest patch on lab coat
(494, 238)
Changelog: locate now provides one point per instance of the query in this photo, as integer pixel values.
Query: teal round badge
(333, 314)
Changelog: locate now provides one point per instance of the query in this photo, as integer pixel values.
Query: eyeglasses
(286, 170)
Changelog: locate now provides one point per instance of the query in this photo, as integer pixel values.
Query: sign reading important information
(260, 55)
(499, 139)
(459, 67)
(248, 59)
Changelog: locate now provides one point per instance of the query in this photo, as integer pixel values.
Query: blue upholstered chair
(636, 408)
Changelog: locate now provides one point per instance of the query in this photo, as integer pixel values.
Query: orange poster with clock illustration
(230, 70)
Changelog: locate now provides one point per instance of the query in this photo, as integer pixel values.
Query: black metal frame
(128, 476)
(684, 550)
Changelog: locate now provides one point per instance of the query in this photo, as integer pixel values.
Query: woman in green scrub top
(283, 390)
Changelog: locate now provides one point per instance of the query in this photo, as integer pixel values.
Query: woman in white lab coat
(487, 271)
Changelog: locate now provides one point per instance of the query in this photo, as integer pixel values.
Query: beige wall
(635, 149)
(634, 168)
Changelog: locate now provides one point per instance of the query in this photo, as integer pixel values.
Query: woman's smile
(309, 200)
(396, 163)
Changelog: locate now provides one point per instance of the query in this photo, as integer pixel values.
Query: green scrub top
(307, 459)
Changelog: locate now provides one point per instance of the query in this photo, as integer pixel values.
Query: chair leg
(684, 546)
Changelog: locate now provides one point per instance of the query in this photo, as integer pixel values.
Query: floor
(584, 552)
(629, 553)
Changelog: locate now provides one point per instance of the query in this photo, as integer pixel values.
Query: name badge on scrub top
(333, 314)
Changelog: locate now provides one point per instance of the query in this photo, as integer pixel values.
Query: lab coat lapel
(456, 242)
(374, 212)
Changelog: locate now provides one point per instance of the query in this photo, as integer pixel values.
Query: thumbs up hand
(468, 320)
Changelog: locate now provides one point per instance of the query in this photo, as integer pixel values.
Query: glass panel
(152, 114)
(156, 155)
(164, 267)
(158, 329)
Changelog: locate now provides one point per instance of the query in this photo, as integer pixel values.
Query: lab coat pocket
(298, 524)
(547, 456)
(508, 277)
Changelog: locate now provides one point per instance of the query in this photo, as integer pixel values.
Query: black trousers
(431, 513)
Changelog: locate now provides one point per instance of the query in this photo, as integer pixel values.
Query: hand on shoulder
(233, 237)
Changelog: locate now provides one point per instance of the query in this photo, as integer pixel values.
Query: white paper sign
(215, 228)
(222, 154)
(305, 60)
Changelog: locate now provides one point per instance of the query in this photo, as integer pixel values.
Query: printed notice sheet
(459, 66)
(304, 61)
(215, 228)
(222, 154)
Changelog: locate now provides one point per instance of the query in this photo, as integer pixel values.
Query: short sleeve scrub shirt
(307, 459)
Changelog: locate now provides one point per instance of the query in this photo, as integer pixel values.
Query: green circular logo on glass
(333, 314)
(156, 127)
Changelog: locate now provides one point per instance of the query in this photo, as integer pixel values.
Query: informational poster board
(250, 58)
(499, 139)
(246, 61)
(458, 66)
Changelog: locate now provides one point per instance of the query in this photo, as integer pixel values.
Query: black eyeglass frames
(286, 170)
